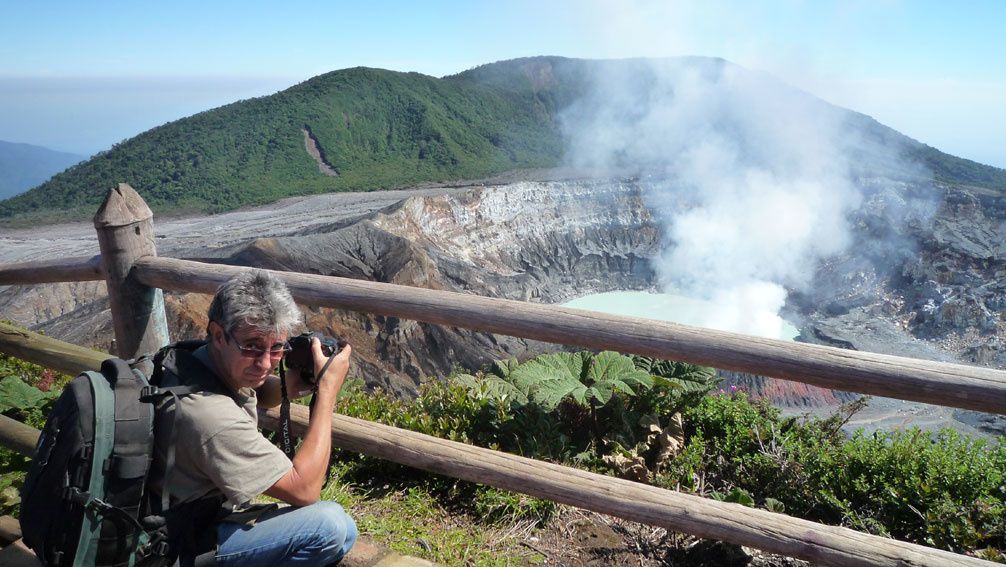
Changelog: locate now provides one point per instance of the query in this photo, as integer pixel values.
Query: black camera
(301, 357)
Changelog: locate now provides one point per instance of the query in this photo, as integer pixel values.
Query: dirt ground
(578, 538)
(178, 237)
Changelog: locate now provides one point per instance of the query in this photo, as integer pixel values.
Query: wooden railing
(135, 276)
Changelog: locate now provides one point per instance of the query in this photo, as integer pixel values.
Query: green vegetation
(412, 520)
(653, 421)
(948, 492)
(378, 129)
(959, 171)
(401, 506)
(27, 392)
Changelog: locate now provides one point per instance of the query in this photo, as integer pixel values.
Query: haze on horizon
(79, 76)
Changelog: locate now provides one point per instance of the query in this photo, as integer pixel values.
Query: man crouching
(221, 457)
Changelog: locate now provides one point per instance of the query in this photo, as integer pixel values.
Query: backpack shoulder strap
(104, 439)
(177, 373)
(133, 422)
(172, 357)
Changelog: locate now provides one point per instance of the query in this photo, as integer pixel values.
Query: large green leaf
(493, 386)
(677, 375)
(610, 372)
(549, 378)
(585, 377)
(15, 394)
(503, 368)
(611, 366)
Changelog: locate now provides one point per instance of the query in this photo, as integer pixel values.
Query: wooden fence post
(126, 234)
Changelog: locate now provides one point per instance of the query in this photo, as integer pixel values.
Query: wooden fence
(135, 277)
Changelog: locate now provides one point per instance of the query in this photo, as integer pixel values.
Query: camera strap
(325, 367)
(285, 438)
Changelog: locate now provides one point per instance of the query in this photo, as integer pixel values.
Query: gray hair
(257, 299)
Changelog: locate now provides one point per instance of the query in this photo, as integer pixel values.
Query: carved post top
(123, 206)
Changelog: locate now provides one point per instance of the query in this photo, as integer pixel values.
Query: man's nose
(264, 360)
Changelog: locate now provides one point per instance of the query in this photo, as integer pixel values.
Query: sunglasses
(255, 352)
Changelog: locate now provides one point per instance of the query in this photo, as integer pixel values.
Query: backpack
(85, 499)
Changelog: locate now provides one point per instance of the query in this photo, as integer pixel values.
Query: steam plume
(748, 176)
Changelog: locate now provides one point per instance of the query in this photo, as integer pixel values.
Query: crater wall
(926, 276)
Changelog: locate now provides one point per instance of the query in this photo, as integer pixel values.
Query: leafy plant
(495, 381)
(736, 495)
(28, 390)
(16, 397)
(604, 410)
(690, 382)
(26, 403)
(947, 490)
(588, 379)
(10, 497)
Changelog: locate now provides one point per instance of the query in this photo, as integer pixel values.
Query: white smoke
(748, 176)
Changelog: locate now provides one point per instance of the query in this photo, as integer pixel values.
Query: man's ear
(215, 333)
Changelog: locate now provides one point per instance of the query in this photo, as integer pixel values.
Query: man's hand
(336, 373)
(302, 484)
(297, 387)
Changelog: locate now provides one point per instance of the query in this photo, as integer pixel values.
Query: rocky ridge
(924, 277)
(926, 281)
(537, 241)
(580, 238)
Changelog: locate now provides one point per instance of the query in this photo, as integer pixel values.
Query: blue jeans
(319, 534)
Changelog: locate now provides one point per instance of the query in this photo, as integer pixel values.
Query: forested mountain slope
(371, 129)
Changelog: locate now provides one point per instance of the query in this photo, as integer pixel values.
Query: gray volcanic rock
(527, 241)
(535, 241)
(927, 260)
(925, 277)
(33, 304)
(956, 289)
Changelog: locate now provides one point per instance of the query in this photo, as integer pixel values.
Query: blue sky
(80, 76)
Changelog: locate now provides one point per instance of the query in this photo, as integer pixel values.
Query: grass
(412, 519)
(947, 492)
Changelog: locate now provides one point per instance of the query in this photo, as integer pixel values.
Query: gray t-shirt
(219, 448)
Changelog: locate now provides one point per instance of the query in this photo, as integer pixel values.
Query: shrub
(653, 421)
(27, 392)
(947, 491)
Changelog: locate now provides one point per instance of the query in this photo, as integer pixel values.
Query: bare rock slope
(538, 241)
(925, 277)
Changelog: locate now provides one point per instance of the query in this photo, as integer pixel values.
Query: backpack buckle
(76, 496)
(154, 541)
(149, 394)
(154, 549)
(99, 505)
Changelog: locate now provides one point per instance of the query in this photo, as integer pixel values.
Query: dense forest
(375, 129)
